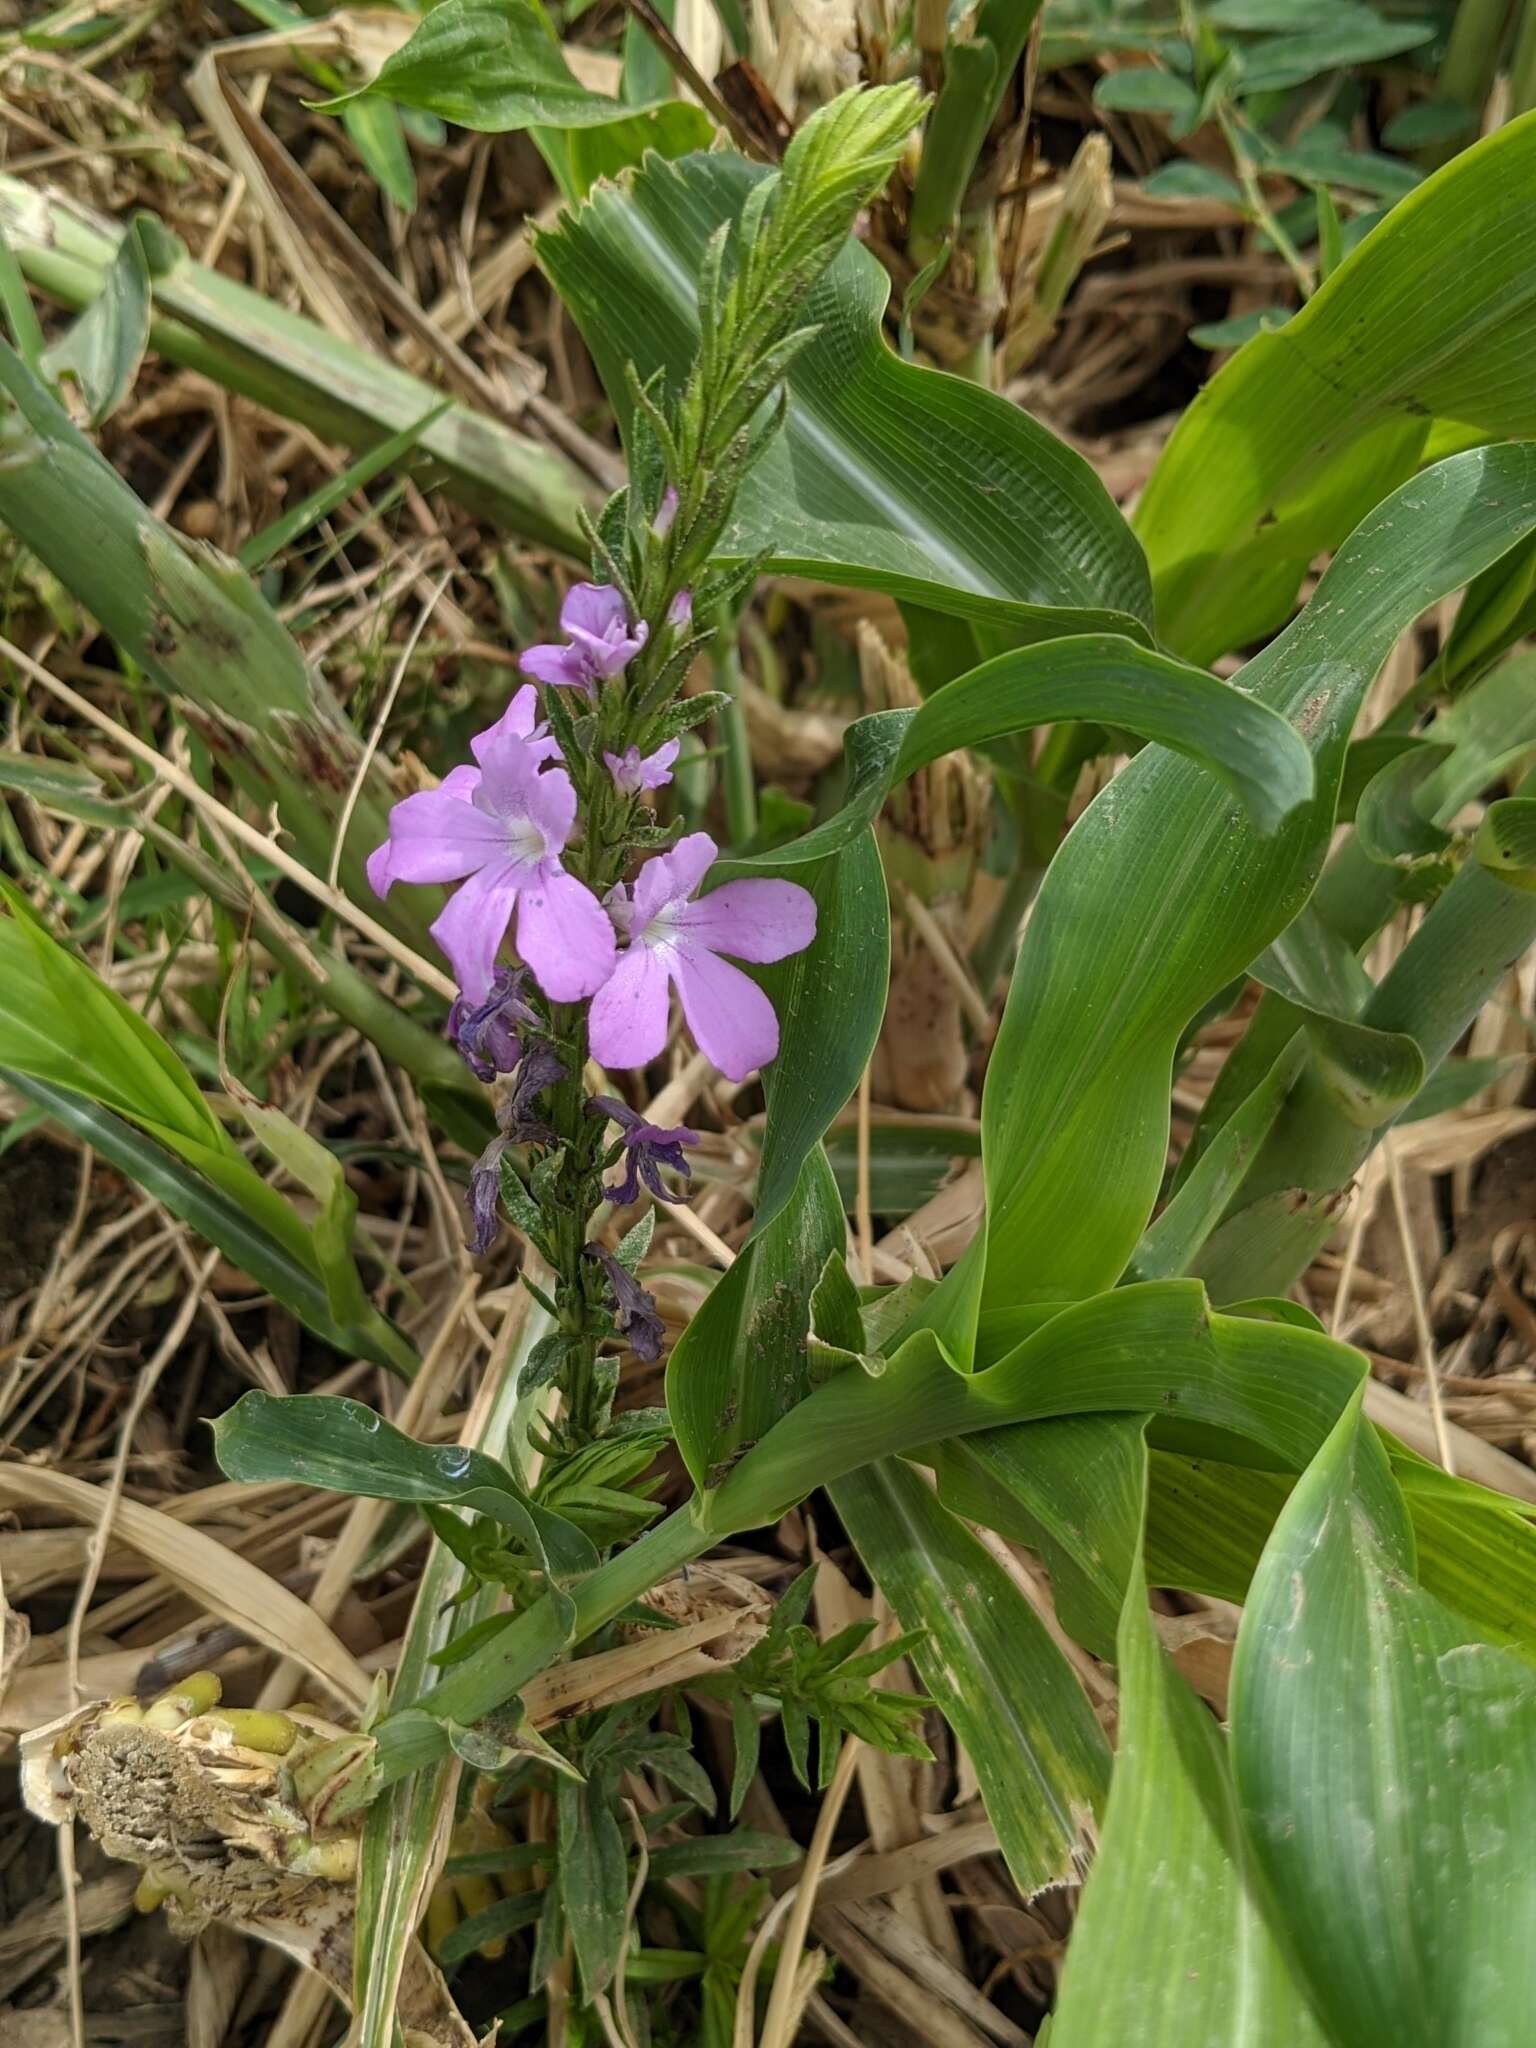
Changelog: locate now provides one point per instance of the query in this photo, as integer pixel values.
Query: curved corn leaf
(1307, 427)
(1269, 1391)
(1163, 893)
(987, 1659)
(1386, 1765)
(886, 476)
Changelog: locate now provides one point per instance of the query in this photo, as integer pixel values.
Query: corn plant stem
(241, 341)
(258, 842)
(1469, 66)
(1522, 63)
(502, 1667)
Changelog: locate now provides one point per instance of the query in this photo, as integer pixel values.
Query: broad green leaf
(607, 149)
(1110, 681)
(741, 1363)
(1371, 1074)
(886, 475)
(224, 1221)
(1305, 429)
(1163, 893)
(61, 1024)
(1356, 36)
(489, 65)
(1385, 1761)
(1170, 1948)
(985, 1656)
(345, 1447)
(1144, 90)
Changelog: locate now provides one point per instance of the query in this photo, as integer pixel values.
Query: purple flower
(633, 771)
(502, 824)
(485, 1034)
(666, 512)
(674, 942)
(634, 1310)
(518, 1124)
(680, 610)
(595, 621)
(647, 1148)
(538, 1070)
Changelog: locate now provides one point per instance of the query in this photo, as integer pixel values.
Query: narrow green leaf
(100, 352)
(987, 1659)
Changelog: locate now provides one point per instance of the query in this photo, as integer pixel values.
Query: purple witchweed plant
(551, 836)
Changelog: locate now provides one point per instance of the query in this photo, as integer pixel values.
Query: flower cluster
(543, 858)
(501, 828)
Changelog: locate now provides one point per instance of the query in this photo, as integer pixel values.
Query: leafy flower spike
(595, 621)
(675, 942)
(502, 824)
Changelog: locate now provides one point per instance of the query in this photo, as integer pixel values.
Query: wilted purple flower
(516, 1125)
(647, 1148)
(633, 771)
(666, 512)
(634, 1310)
(538, 1070)
(485, 1034)
(680, 610)
(595, 621)
(502, 824)
(677, 943)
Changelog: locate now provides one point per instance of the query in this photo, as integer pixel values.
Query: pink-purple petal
(672, 877)
(472, 924)
(732, 1021)
(433, 837)
(552, 662)
(515, 726)
(593, 609)
(750, 919)
(563, 934)
(627, 1023)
